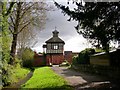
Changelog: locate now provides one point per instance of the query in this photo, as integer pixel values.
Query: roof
(103, 53)
(55, 38)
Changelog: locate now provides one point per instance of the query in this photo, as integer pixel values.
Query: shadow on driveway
(80, 80)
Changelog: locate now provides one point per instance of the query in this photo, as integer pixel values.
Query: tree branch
(26, 9)
(10, 30)
(23, 27)
(10, 8)
(12, 20)
(23, 23)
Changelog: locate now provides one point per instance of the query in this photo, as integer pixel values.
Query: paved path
(81, 80)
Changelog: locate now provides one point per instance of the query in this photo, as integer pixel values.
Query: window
(55, 47)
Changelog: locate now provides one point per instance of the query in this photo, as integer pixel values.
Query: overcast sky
(73, 41)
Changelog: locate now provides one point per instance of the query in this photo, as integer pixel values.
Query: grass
(45, 78)
(99, 50)
(18, 73)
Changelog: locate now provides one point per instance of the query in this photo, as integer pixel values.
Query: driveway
(81, 80)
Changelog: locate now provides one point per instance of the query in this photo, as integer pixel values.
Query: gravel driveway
(81, 80)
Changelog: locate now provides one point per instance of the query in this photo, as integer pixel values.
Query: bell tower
(55, 49)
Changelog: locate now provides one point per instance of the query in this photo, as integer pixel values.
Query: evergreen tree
(97, 21)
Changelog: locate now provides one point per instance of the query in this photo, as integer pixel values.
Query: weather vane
(55, 27)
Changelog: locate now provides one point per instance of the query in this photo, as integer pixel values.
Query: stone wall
(100, 59)
(103, 59)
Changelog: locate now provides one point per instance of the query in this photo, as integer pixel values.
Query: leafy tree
(97, 21)
(24, 17)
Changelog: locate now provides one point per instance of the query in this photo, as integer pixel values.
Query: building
(54, 49)
(53, 52)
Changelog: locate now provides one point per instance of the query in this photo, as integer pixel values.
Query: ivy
(5, 41)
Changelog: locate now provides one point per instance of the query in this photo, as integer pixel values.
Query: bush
(75, 60)
(83, 57)
(89, 51)
(27, 56)
(6, 72)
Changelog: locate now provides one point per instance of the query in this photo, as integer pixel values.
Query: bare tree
(24, 17)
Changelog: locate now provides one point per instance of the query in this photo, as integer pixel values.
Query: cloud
(76, 44)
(73, 41)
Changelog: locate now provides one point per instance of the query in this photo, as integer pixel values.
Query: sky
(73, 41)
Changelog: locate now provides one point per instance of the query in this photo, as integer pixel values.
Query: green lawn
(45, 78)
(18, 73)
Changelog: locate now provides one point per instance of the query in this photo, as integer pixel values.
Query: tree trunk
(15, 34)
(13, 49)
(108, 54)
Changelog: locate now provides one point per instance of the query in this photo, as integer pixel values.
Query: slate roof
(55, 38)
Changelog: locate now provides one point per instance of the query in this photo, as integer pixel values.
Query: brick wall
(68, 56)
(39, 60)
(54, 58)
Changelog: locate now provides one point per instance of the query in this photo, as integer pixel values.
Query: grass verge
(44, 78)
(18, 73)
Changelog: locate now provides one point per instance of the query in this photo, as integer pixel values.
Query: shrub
(89, 51)
(83, 57)
(7, 71)
(75, 60)
(27, 56)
